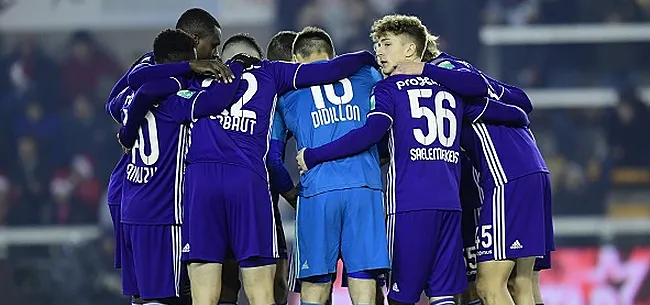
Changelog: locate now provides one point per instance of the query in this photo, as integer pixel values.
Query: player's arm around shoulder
(381, 98)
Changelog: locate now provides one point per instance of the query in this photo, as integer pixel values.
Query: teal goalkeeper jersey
(321, 114)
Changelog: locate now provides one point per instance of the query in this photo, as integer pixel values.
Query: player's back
(501, 153)
(114, 191)
(154, 175)
(321, 114)
(424, 142)
(240, 135)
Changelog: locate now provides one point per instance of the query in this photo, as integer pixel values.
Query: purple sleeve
(217, 97)
(114, 105)
(352, 143)
(280, 178)
(461, 81)
(290, 76)
(495, 112)
(382, 147)
(146, 73)
(381, 101)
(144, 100)
(509, 94)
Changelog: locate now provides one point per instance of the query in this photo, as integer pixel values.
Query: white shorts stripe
(293, 276)
(296, 263)
(176, 256)
(498, 223)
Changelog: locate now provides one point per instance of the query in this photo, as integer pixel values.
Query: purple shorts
(282, 241)
(544, 262)
(512, 221)
(426, 249)
(151, 261)
(117, 233)
(228, 209)
(468, 228)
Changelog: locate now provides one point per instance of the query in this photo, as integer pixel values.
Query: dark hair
(82, 37)
(173, 45)
(246, 39)
(279, 47)
(198, 22)
(311, 40)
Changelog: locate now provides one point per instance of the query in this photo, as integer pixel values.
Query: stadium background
(584, 63)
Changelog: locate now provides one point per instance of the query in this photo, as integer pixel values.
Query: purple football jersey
(152, 190)
(471, 195)
(114, 190)
(424, 142)
(240, 135)
(501, 153)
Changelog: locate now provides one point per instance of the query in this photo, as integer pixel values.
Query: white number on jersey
(152, 142)
(485, 239)
(139, 146)
(435, 120)
(317, 94)
(236, 109)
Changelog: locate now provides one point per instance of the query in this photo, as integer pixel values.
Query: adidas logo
(186, 248)
(516, 245)
(304, 266)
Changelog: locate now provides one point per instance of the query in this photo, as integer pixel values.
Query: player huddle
(194, 198)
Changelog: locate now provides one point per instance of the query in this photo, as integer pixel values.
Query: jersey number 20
(152, 128)
(435, 119)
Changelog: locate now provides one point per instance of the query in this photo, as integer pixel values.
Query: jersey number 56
(435, 119)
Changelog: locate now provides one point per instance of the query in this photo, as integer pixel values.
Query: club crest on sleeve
(185, 94)
(446, 65)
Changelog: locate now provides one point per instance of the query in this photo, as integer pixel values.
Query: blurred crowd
(58, 146)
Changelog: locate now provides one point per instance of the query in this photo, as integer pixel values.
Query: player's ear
(410, 50)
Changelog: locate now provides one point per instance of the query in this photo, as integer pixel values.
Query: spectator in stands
(63, 209)
(86, 66)
(87, 189)
(91, 133)
(43, 126)
(29, 176)
(627, 132)
(68, 204)
(27, 69)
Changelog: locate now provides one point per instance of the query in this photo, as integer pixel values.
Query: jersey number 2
(435, 120)
(236, 108)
